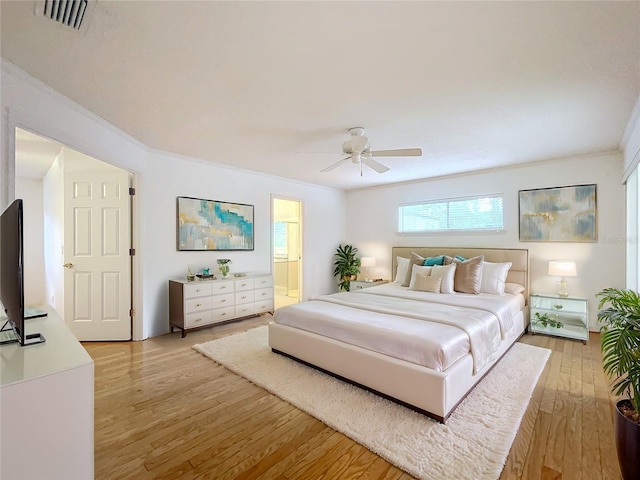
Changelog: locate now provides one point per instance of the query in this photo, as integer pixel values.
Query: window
(468, 213)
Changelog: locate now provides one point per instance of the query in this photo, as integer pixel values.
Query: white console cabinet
(46, 396)
(206, 302)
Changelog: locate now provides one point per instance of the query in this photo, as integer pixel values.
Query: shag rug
(473, 444)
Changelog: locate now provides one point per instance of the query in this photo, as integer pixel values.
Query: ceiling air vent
(67, 12)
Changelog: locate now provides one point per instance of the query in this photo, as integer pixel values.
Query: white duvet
(433, 330)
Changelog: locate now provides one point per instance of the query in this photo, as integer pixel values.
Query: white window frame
(447, 201)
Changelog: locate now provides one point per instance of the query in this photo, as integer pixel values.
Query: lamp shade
(562, 268)
(368, 262)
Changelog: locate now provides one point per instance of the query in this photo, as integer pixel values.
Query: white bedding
(432, 330)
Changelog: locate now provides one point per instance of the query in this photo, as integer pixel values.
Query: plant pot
(627, 444)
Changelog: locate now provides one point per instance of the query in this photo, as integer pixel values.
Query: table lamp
(366, 263)
(562, 268)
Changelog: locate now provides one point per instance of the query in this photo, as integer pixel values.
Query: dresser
(206, 302)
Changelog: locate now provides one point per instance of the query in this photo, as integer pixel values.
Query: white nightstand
(359, 284)
(571, 313)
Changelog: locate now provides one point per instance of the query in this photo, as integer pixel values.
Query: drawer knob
(198, 304)
(263, 294)
(224, 313)
(223, 300)
(198, 319)
(244, 296)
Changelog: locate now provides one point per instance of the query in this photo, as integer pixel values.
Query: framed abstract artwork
(213, 225)
(558, 214)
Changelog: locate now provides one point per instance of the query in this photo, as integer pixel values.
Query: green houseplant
(347, 265)
(619, 315)
(545, 320)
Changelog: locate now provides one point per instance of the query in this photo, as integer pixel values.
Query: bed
(422, 349)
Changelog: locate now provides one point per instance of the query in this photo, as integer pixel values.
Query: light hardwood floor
(164, 411)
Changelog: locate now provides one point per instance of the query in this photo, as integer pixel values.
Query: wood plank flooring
(164, 411)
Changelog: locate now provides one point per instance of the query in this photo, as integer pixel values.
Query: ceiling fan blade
(377, 166)
(401, 152)
(337, 164)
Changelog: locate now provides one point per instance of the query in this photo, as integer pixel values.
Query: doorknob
(68, 265)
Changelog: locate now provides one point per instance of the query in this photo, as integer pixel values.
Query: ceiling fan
(358, 151)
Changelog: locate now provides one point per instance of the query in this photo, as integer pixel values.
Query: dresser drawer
(197, 290)
(244, 284)
(245, 297)
(224, 300)
(197, 319)
(265, 305)
(197, 304)
(263, 282)
(263, 294)
(245, 310)
(223, 287)
(221, 314)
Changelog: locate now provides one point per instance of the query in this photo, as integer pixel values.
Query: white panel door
(97, 279)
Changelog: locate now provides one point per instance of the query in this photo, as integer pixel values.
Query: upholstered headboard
(518, 273)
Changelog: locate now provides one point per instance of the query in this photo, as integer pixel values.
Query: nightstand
(359, 284)
(566, 316)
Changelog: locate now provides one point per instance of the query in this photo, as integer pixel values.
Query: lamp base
(563, 289)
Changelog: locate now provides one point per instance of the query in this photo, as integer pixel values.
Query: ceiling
(274, 86)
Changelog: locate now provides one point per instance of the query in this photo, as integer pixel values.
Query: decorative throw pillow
(448, 260)
(513, 288)
(494, 276)
(419, 271)
(430, 283)
(414, 260)
(448, 272)
(401, 269)
(461, 258)
(431, 261)
(468, 277)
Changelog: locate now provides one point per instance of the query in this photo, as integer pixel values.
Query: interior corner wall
(160, 178)
(372, 217)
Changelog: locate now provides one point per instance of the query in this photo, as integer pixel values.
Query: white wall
(631, 141)
(160, 177)
(372, 221)
(34, 279)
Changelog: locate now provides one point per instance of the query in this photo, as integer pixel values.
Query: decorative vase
(224, 270)
(627, 444)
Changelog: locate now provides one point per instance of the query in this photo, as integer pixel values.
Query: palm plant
(346, 264)
(620, 341)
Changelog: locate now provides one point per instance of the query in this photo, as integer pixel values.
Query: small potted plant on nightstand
(347, 265)
(620, 343)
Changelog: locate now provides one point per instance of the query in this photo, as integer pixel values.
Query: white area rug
(474, 443)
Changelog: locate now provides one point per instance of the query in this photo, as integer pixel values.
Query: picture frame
(558, 214)
(212, 225)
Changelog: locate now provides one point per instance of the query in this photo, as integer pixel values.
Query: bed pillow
(419, 270)
(414, 260)
(448, 260)
(448, 272)
(427, 283)
(431, 261)
(513, 288)
(468, 276)
(401, 269)
(494, 276)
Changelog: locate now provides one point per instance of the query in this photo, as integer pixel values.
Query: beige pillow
(448, 273)
(430, 283)
(414, 260)
(419, 271)
(468, 277)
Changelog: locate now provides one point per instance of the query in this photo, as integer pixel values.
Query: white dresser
(206, 302)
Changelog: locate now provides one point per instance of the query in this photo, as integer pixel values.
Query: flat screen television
(12, 274)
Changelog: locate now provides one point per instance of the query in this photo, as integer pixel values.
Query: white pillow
(424, 283)
(448, 273)
(513, 288)
(493, 277)
(418, 271)
(401, 271)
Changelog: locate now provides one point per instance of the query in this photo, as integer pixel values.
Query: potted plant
(545, 320)
(347, 265)
(620, 344)
(223, 266)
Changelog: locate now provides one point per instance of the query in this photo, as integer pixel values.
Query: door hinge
(132, 251)
(132, 312)
(132, 191)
